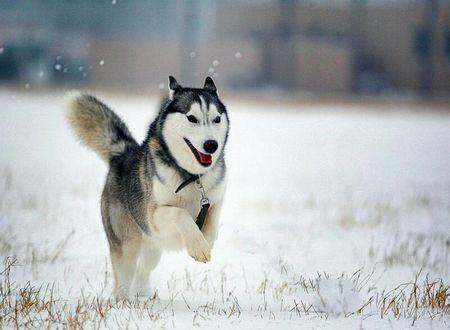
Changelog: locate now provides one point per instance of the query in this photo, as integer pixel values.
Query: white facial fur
(177, 127)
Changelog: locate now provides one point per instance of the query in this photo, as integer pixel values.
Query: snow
(337, 296)
(326, 206)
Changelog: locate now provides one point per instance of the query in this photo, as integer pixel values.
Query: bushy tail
(97, 126)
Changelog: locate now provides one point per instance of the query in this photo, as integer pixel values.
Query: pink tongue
(205, 158)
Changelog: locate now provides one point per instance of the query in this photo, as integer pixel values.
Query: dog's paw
(120, 294)
(142, 290)
(198, 248)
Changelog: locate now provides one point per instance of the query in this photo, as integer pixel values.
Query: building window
(422, 42)
(447, 44)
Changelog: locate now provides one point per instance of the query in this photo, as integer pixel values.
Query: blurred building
(362, 46)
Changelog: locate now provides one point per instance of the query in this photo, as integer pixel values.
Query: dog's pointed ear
(209, 85)
(173, 86)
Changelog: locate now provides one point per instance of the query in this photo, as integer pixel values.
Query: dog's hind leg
(124, 262)
(148, 260)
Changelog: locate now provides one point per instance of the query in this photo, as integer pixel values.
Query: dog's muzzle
(204, 159)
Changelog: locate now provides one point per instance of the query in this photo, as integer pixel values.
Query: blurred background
(293, 47)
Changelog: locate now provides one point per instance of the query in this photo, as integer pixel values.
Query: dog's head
(195, 127)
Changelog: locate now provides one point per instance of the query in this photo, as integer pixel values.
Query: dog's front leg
(170, 220)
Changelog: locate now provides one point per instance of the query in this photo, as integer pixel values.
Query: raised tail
(97, 126)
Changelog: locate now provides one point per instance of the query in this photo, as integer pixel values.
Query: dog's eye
(216, 120)
(192, 119)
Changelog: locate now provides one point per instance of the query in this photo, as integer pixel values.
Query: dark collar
(186, 182)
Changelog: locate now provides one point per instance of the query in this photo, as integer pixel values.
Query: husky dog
(155, 190)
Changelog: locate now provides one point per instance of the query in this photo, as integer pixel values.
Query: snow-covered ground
(328, 209)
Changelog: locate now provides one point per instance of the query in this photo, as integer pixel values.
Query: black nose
(210, 146)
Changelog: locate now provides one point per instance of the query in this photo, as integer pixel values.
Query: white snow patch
(337, 296)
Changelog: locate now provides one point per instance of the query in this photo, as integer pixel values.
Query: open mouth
(204, 159)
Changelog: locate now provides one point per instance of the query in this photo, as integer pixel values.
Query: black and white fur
(142, 215)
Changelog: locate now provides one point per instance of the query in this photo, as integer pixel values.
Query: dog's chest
(188, 198)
